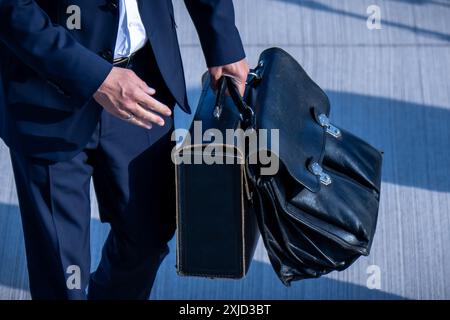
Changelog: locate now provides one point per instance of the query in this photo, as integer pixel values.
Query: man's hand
(238, 71)
(127, 97)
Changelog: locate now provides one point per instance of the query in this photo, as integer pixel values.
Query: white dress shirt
(131, 35)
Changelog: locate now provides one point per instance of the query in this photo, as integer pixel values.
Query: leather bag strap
(246, 112)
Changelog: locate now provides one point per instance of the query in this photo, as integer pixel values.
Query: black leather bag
(319, 212)
(217, 230)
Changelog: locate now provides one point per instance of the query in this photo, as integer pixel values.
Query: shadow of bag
(318, 213)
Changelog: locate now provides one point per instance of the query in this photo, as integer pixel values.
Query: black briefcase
(216, 228)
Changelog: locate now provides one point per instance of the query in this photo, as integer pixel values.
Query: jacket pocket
(42, 93)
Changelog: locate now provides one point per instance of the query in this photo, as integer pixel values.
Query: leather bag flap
(285, 98)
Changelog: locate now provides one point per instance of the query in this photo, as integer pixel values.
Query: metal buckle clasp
(217, 112)
(255, 74)
(324, 121)
(317, 170)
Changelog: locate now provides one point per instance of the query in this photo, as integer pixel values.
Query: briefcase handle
(246, 112)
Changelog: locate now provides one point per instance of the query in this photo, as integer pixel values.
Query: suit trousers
(133, 178)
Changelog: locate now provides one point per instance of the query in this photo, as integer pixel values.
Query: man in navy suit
(89, 87)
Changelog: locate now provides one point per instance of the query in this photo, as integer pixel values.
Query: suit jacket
(50, 73)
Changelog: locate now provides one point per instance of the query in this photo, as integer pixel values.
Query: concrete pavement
(390, 86)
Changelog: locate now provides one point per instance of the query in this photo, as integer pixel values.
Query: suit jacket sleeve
(49, 49)
(215, 24)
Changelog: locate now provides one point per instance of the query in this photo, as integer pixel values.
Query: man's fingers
(148, 90)
(121, 114)
(215, 74)
(237, 81)
(145, 108)
(140, 123)
(238, 71)
(130, 117)
(145, 115)
(121, 93)
(152, 104)
(239, 84)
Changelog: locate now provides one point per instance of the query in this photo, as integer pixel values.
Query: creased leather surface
(309, 228)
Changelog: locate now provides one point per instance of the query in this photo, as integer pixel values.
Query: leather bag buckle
(324, 121)
(318, 171)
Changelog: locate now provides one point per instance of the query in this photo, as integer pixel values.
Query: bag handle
(246, 112)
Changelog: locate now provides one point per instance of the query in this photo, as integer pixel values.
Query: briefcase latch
(317, 170)
(217, 112)
(324, 121)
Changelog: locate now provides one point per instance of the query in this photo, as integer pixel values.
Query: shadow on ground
(316, 5)
(170, 286)
(413, 136)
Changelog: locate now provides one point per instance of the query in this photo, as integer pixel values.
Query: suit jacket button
(107, 54)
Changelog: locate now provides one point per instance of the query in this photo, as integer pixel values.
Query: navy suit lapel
(144, 11)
